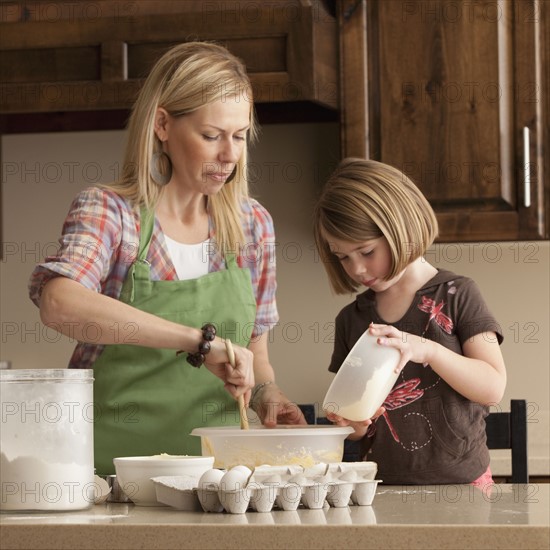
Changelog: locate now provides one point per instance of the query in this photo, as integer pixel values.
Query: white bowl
(283, 445)
(134, 473)
(364, 380)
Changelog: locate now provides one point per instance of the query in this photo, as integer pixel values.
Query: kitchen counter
(441, 516)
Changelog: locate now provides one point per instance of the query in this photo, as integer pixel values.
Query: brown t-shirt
(429, 433)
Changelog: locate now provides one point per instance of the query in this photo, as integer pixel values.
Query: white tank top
(190, 260)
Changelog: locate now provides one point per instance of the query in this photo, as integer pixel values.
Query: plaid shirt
(100, 241)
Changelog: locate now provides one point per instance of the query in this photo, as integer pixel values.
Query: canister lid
(47, 375)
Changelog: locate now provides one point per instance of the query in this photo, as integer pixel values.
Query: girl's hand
(239, 380)
(360, 426)
(273, 407)
(412, 348)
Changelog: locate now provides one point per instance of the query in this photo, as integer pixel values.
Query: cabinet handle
(526, 169)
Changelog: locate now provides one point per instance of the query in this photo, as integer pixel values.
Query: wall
(41, 174)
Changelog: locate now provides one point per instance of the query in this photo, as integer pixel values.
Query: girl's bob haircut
(365, 200)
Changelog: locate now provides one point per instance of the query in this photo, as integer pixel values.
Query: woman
(150, 264)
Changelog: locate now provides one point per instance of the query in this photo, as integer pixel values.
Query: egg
(211, 479)
(209, 484)
(233, 480)
(101, 490)
(244, 469)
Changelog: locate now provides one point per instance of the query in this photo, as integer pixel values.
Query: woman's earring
(232, 175)
(160, 168)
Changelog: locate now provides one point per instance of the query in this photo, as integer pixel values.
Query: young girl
(372, 228)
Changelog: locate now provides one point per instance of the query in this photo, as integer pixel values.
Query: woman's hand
(273, 407)
(239, 380)
(411, 347)
(360, 426)
(269, 402)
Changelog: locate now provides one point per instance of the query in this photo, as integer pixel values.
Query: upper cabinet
(455, 94)
(72, 57)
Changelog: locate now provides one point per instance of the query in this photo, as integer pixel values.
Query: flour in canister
(28, 483)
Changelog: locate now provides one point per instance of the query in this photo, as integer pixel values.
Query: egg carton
(267, 487)
(179, 492)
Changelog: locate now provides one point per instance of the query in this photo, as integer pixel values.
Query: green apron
(146, 400)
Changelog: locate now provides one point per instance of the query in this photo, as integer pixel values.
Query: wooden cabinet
(72, 58)
(454, 93)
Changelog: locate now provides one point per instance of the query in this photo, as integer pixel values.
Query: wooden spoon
(240, 399)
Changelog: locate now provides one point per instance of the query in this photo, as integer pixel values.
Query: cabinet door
(454, 98)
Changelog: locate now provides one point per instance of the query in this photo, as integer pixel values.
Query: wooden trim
(292, 112)
(354, 119)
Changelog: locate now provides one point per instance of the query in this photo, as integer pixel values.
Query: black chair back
(508, 430)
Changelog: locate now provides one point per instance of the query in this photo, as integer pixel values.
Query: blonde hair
(365, 200)
(184, 79)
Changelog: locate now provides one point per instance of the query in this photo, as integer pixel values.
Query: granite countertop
(441, 516)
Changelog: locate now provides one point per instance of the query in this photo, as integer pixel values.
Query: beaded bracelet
(208, 334)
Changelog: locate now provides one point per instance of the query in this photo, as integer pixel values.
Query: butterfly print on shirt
(401, 395)
(443, 321)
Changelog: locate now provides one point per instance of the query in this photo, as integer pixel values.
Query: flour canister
(46, 439)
